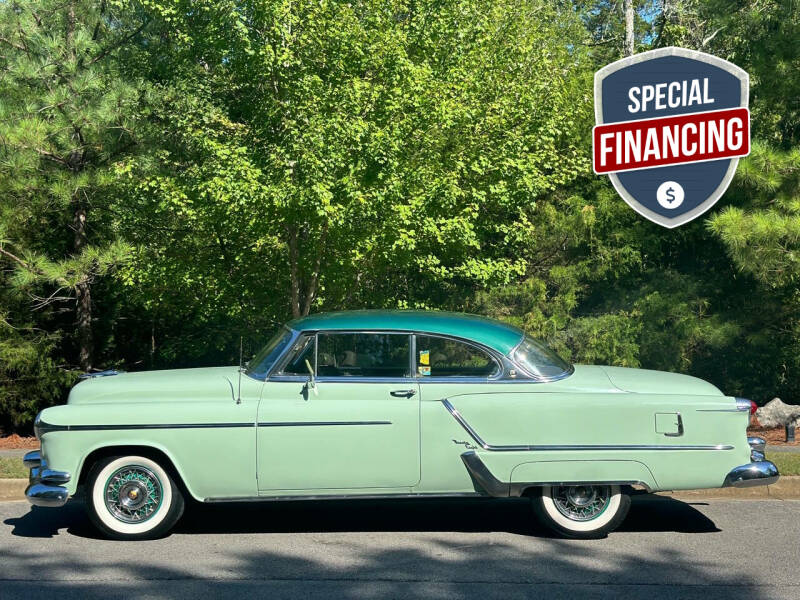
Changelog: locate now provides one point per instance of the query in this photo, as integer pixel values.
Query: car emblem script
(671, 126)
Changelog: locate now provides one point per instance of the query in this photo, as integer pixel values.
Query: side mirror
(312, 382)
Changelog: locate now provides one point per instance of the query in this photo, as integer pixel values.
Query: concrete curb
(12, 489)
(787, 488)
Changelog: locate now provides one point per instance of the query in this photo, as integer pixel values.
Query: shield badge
(671, 126)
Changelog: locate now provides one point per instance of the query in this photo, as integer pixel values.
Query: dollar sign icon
(670, 194)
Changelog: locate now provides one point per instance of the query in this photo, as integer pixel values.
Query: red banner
(696, 137)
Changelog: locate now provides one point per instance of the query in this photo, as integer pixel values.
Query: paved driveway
(402, 549)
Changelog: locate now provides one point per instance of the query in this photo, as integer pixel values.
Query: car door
(354, 425)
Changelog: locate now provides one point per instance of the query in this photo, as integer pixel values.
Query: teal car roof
(489, 332)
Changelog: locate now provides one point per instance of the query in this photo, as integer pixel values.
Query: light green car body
(230, 436)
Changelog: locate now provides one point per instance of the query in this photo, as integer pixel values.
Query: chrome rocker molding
(567, 447)
(46, 486)
(759, 472)
(486, 482)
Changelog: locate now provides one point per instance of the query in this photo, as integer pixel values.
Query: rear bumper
(758, 472)
(46, 487)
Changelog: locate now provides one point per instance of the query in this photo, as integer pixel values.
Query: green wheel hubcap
(133, 494)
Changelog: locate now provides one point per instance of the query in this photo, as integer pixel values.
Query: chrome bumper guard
(760, 471)
(46, 487)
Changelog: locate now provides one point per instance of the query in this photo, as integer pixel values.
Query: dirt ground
(14, 441)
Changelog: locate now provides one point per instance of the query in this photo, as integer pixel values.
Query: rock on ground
(776, 413)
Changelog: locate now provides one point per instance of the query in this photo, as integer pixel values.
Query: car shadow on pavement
(647, 514)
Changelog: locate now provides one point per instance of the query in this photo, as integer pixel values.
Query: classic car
(369, 404)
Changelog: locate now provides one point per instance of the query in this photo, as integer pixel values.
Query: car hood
(156, 386)
(643, 381)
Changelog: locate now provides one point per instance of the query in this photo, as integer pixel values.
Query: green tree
(322, 155)
(66, 114)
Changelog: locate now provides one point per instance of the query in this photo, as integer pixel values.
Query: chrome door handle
(403, 393)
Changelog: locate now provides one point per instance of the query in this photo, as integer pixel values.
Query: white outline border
(686, 162)
(723, 64)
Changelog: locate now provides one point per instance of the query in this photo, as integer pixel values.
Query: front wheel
(581, 511)
(132, 498)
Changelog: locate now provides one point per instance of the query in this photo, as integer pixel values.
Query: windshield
(263, 361)
(539, 360)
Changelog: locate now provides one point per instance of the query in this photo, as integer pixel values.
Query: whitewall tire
(132, 497)
(581, 511)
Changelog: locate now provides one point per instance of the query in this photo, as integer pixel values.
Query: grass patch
(788, 463)
(12, 468)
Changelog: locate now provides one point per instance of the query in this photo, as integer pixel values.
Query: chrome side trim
(743, 404)
(32, 459)
(401, 495)
(45, 428)
(567, 447)
(320, 423)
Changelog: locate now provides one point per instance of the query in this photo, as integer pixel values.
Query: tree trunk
(294, 270)
(83, 298)
(628, 8)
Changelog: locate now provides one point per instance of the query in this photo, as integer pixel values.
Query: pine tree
(65, 116)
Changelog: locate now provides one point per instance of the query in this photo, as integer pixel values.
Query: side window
(443, 357)
(363, 355)
(302, 351)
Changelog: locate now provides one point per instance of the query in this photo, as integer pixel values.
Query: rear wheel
(132, 498)
(581, 511)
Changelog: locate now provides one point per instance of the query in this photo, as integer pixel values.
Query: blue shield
(700, 184)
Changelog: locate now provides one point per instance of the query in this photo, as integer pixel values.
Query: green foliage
(371, 155)
(175, 175)
(29, 377)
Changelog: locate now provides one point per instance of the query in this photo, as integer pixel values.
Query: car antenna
(241, 368)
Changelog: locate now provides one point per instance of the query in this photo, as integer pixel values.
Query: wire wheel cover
(133, 494)
(581, 502)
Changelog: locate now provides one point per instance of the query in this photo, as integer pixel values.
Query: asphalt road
(409, 549)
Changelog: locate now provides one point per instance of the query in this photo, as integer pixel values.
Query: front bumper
(759, 471)
(46, 487)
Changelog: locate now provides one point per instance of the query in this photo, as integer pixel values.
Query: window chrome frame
(509, 372)
(276, 375)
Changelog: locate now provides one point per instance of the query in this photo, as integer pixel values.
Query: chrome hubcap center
(581, 502)
(133, 494)
(581, 495)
